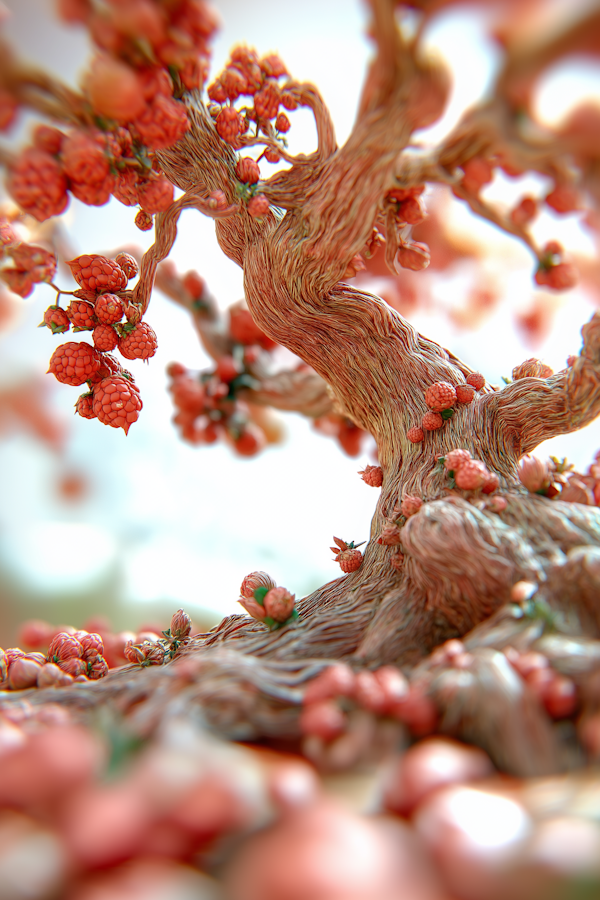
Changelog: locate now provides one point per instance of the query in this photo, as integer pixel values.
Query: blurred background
(133, 527)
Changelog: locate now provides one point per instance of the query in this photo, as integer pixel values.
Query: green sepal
(506, 380)
(447, 413)
(79, 328)
(260, 594)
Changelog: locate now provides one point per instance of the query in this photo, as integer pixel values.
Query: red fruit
(140, 343)
(156, 196)
(410, 506)
(97, 273)
(350, 560)
(18, 282)
(74, 667)
(471, 475)
(37, 183)
(244, 330)
(35, 633)
(115, 89)
(393, 684)
(233, 83)
(272, 66)
(325, 720)
(560, 697)
(414, 256)
(477, 173)
(81, 314)
(129, 266)
(247, 170)
(251, 441)
(258, 206)
(476, 380)
(564, 199)
(417, 711)
(51, 675)
(455, 458)
(97, 668)
(491, 483)
(56, 319)
(49, 139)
(188, 395)
(105, 338)
(337, 680)
(216, 92)
(126, 187)
(431, 421)
(410, 211)
(23, 673)
(83, 158)
(266, 101)
(108, 309)
(369, 693)
(93, 194)
(465, 393)
(74, 363)
(282, 123)
(194, 284)
(372, 475)
(85, 406)
(524, 212)
(108, 366)
(272, 155)
(116, 402)
(217, 200)
(228, 368)
(64, 646)
(441, 395)
(561, 277)
(289, 101)
(415, 434)
(279, 604)
(229, 124)
(143, 220)
(8, 109)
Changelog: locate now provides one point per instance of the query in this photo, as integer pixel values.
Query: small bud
(97, 668)
(253, 608)
(279, 604)
(64, 646)
(533, 474)
(73, 666)
(523, 590)
(92, 646)
(531, 368)
(337, 680)
(410, 505)
(390, 534)
(181, 625)
(253, 581)
(23, 673)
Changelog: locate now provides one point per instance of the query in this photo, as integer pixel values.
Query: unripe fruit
(56, 319)
(533, 474)
(256, 580)
(22, 674)
(128, 264)
(181, 625)
(258, 206)
(51, 675)
(64, 646)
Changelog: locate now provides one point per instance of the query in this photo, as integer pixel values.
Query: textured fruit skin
(476, 380)
(350, 560)
(85, 406)
(162, 123)
(372, 475)
(266, 101)
(116, 402)
(37, 183)
(143, 220)
(229, 124)
(431, 421)
(83, 158)
(258, 206)
(471, 475)
(247, 170)
(492, 483)
(64, 646)
(105, 338)
(410, 505)
(465, 393)
(156, 196)
(57, 320)
(128, 264)
(96, 668)
(415, 435)
(455, 458)
(108, 309)
(74, 363)
(97, 273)
(279, 604)
(141, 343)
(440, 395)
(253, 581)
(81, 314)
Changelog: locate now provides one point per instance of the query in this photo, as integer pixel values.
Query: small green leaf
(259, 595)
(447, 413)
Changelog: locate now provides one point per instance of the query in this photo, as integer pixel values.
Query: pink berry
(410, 505)
(465, 393)
(471, 475)
(431, 421)
(372, 475)
(476, 380)
(415, 434)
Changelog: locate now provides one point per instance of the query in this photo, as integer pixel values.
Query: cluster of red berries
(264, 601)
(207, 404)
(408, 210)
(441, 397)
(100, 306)
(332, 695)
(133, 95)
(76, 656)
(152, 650)
(468, 474)
(246, 75)
(347, 555)
(25, 265)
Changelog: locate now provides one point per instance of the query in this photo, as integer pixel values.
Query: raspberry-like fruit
(476, 380)
(431, 421)
(162, 123)
(116, 402)
(97, 273)
(441, 395)
(471, 475)
(109, 309)
(56, 319)
(81, 314)
(258, 206)
(155, 196)
(143, 220)
(129, 266)
(229, 124)
(350, 560)
(37, 183)
(74, 363)
(415, 434)
(247, 170)
(465, 393)
(455, 458)
(83, 158)
(266, 101)
(372, 475)
(140, 343)
(105, 338)
(85, 406)
(410, 505)
(282, 123)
